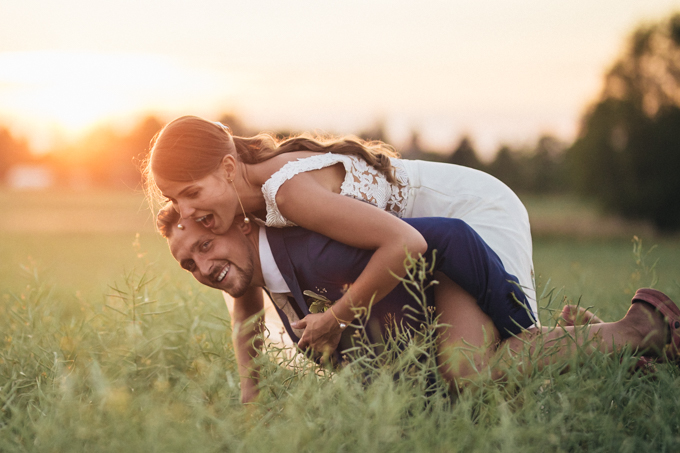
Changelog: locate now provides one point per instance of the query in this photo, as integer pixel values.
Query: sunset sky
(503, 71)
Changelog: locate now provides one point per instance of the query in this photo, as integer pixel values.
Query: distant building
(32, 177)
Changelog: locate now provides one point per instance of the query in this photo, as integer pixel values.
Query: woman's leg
(468, 341)
(466, 336)
(575, 315)
(642, 328)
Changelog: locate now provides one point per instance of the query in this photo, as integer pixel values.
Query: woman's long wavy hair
(190, 148)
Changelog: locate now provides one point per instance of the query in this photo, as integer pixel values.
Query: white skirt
(490, 207)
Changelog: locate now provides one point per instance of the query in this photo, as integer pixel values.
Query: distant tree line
(626, 155)
(103, 158)
(534, 169)
(108, 158)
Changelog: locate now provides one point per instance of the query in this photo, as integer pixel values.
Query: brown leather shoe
(671, 314)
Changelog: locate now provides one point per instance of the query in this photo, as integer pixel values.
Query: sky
(500, 71)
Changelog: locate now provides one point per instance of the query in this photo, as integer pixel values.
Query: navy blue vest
(311, 261)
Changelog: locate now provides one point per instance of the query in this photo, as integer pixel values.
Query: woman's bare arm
(309, 202)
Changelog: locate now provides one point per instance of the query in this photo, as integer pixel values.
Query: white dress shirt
(274, 281)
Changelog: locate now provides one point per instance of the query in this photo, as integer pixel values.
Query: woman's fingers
(301, 324)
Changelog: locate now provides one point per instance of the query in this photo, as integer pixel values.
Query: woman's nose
(185, 211)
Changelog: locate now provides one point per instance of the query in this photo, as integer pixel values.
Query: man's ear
(229, 165)
(245, 228)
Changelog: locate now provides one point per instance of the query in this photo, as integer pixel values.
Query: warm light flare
(69, 92)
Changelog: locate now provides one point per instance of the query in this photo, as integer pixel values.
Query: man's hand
(249, 390)
(322, 332)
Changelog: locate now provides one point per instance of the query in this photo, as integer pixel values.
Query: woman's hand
(322, 332)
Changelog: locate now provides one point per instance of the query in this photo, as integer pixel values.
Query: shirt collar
(273, 279)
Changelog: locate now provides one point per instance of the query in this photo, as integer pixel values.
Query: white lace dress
(430, 189)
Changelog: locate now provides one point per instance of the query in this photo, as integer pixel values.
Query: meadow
(107, 345)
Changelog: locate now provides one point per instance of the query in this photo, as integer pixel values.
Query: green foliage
(142, 359)
(152, 369)
(77, 376)
(628, 152)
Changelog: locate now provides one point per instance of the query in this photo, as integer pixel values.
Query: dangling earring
(245, 217)
(180, 226)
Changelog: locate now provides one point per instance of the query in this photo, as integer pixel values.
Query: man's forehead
(181, 241)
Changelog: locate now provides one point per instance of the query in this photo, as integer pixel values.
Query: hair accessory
(222, 126)
(180, 226)
(245, 217)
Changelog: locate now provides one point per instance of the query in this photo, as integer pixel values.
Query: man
(479, 304)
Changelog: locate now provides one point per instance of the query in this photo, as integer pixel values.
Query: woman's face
(209, 201)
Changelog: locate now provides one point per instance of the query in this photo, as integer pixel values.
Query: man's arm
(247, 324)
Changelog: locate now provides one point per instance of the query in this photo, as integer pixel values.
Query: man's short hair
(166, 219)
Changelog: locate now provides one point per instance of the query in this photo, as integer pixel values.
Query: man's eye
(205, 245)
(189, 266)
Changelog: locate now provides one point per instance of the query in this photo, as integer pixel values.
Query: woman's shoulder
(278, 161)
(285, 166)
(312, 157)
(268, 168)
(275, 193)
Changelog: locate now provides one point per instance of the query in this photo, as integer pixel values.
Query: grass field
(106, 345)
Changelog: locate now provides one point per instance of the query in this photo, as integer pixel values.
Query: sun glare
(70, 92)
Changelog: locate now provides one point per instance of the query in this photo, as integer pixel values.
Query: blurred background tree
(627, 154)
(508, 166)
(465, 154)
(537, 169)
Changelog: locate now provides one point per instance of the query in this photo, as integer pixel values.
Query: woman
(211, 177)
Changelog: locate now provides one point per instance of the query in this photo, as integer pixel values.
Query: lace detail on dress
(362, 181)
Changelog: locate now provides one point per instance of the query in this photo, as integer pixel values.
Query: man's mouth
(223, 273)
(206, 220)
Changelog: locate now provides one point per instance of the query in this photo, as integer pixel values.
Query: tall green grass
(152, 369)
(106, 345)
(603, 273)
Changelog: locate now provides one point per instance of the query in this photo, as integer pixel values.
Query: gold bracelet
(341, 323)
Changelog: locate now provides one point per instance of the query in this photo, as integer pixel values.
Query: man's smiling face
(226, 262)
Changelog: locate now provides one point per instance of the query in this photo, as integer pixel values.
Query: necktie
(283, 301)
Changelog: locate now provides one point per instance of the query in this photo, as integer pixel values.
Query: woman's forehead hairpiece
(226, 128)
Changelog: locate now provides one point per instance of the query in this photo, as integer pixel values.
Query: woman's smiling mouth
(206, 220)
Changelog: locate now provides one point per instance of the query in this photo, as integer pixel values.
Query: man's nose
(204, 267)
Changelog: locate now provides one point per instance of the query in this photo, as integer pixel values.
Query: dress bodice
(362, 181)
